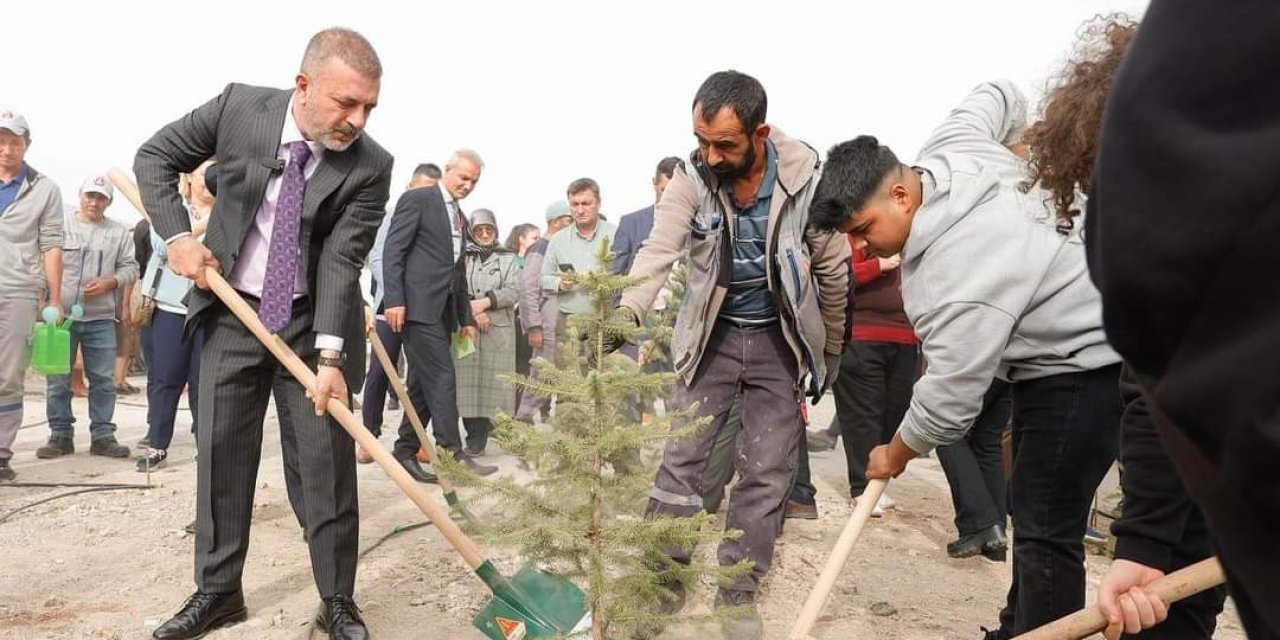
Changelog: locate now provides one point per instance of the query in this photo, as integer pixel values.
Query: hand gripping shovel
(532, 605)
(1180, 584)
(428, 444)
(835, 563)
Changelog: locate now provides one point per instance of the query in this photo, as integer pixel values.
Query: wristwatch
(329, 359)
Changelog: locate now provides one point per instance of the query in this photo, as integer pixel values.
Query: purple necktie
(282, 257)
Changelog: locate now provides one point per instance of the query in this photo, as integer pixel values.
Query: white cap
(14, 122)
(98, 184)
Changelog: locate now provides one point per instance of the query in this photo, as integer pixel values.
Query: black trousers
(872, 394)
(1246, 544)
(237, 378)
(433, 388)
(1066, 433)
(975, 467)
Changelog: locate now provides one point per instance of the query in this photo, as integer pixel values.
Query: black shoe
(474, 452)
(821, 441)
(56, 447)
(202, 613)
(393, 403)
(144, 443)
(998, 634)
(108, 447)
(746, 625)
(340, 616)
(477, 468)
(989, 542)
(7, 474)
(153, 459)
(416, 471)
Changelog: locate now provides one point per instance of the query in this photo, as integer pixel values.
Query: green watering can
(51, 342)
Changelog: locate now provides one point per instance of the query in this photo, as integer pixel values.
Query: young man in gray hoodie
(994, 289)
(97, 260)
(30, 267)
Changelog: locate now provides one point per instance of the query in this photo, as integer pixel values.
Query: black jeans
(1066, 433)
(872, 394)
(975, 466)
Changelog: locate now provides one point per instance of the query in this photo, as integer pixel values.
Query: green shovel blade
(533, 605)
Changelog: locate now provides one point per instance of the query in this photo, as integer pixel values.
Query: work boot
(56, 447)
(797, 510)
(669, 604)
(107, 447)
(744, 623)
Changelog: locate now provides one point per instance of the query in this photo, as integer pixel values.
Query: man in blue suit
(634, 228)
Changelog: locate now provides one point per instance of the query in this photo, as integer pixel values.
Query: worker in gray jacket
(30, 268)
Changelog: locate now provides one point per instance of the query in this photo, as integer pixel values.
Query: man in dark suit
(426, 298)
(634, 228)
(300, 195)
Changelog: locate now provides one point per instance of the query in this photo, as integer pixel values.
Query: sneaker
(56, 447)
(883, 504)
(154, 459)
(745, 623)
(797, 510)
(7, 474)
(107, 447)
(821, 441)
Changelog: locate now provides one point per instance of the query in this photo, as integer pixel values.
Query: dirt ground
(113, 565)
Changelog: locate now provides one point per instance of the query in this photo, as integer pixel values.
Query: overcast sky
(546, 92)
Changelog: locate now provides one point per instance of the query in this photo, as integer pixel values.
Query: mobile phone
(567, 267)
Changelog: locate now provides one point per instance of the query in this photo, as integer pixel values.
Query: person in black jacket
(1183, 217)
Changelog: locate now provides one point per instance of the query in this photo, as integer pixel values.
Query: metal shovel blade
(533, 605)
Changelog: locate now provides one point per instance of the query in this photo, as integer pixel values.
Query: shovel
(532, 605)
(429, 445)
(1180, 584)
(835, 563)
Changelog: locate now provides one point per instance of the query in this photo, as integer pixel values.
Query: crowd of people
(947, 303)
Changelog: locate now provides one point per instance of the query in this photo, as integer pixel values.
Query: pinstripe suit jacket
(344, 201)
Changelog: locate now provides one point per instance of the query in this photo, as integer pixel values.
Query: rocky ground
(112, 565)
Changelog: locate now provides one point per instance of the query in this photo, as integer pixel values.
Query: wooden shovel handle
(835, 563)
(410, 411)
(437, 514)
(1176, 586)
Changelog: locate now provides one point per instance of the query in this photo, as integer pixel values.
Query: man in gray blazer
(300, 196)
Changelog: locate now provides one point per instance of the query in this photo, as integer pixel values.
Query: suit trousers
(237, 378)
(374, 398)
(433, 388)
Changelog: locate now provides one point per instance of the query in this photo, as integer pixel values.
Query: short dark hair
(667, 167)
(428, 170)
(852, 173)
(736, 90)
(582, 184)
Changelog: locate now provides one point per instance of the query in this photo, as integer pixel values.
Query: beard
(731, 172)
(338, 138)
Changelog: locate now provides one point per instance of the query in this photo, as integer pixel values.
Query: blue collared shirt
(9, 190)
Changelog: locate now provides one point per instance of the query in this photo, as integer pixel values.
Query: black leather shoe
(202, 613)
(477, 468)
(989, 542)
(416, 471)
(340, 616)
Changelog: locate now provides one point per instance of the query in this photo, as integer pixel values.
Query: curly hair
(1065, 140)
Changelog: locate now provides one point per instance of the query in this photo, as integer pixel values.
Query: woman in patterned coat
(491, 282)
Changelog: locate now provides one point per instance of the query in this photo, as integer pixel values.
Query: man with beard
(763, 308)
(301, 194)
